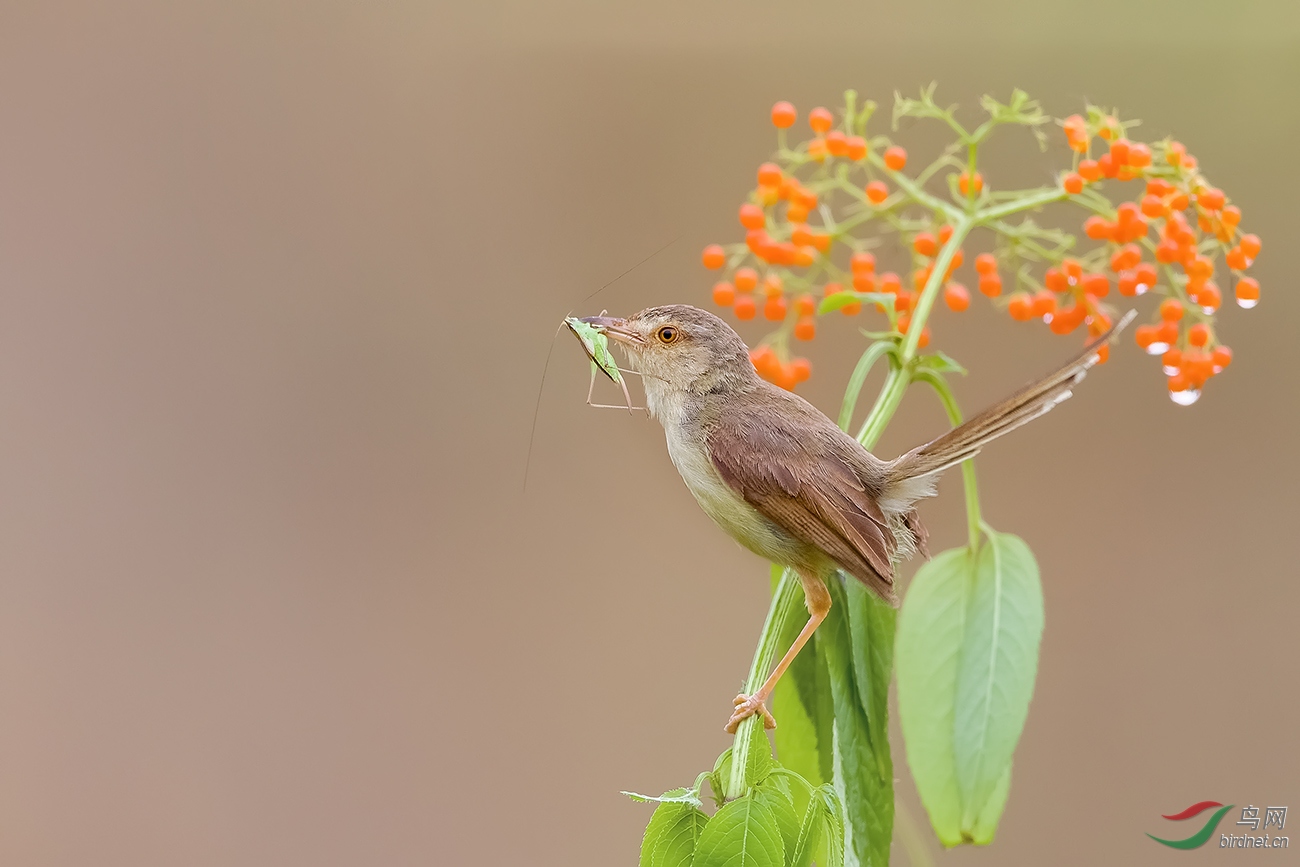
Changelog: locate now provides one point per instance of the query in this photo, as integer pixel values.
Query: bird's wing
(799, 479)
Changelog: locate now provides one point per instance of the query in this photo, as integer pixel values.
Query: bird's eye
(668, 334)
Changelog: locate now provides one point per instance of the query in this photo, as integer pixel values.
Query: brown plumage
(780, 477)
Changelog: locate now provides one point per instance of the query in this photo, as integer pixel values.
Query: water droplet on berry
(1157, 348)
(1140, 289)
(1209, 311)
(1170, 370)
(1247, 303)
(1185, 398)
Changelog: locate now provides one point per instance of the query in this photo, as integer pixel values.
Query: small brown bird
(780, 477)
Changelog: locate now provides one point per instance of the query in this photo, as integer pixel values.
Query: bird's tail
(911, 476)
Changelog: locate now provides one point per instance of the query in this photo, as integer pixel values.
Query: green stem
(785, 602)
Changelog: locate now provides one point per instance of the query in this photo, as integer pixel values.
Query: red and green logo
(1199, 838)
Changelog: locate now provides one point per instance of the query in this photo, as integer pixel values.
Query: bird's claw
(747, 706)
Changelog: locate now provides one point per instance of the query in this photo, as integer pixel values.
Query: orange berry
(1178, 382)
(1209, 297)
(785, 378)
(1098, 228)
(714, 257)
(864, 281)
(801, 368)
(817, 149)
(1096, 285)
(1146, 277)
(1180, 202)
(857, 147)
(1174, 153)
(1127, 283)
(1073, 183)
(990, 285)
(895, 158)
(837, 143)
(1119, 151)
(1056, 280)
(752, 216)
(772, 285)
(945, 232)
(1231, 216)
(1236, 259)
(746, 279)
(1167, 332)
(764, 359)
(1065, 319)
(745, 307)
(920, 277)
(1210, 198)
(1172, 358)
(986, 263)
(820, 119)
(1221, 356)
(1139, 155)
(1103, 353)
(891, 283)
(965, 183)
(806, 305)
(903, 301)
(1145, 335)
(805, 328)
(1089, 170)
(724, 294)
(1167, 251)
(957, 258)
(956, 297)
(1247, 292)
(852, 308)
(770, 175)
(1199, 334)
(1153, 206)
(924, 340)
(1250, 245)
(1044, 303)
(1021, 307)
(862, 261)
(877, 192)
(924, 243)
(1171, 310)
(783, 115)
(775, 308)
(832, 289)
(795, 213)
(801, 234)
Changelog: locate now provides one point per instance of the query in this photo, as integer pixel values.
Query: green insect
(596, 345)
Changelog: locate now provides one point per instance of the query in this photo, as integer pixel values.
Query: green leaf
(931, 625)
(672, 835)
(811, 830)
(719, 776)
(866, 794)
(834, 302)
(967, 656)
(940, 362)
(999, 662)
(831, 851)
(871, 626)
(787, 819)
(744, 833)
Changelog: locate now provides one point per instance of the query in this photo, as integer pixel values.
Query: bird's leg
(818, 599)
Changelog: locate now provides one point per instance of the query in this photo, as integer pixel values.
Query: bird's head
(680, 348)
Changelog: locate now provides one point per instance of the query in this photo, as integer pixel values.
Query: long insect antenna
(537, 407)
(634, 267)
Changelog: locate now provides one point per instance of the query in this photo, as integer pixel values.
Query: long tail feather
(965, 440)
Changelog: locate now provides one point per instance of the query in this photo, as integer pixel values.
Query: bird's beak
(616, 328)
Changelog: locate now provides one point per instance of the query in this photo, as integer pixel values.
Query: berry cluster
(822, 205)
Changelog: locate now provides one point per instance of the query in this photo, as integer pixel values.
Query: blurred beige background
(277, 283)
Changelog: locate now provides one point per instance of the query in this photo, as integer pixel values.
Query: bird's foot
(747, 706)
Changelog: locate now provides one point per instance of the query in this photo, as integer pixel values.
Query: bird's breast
(727, 508)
